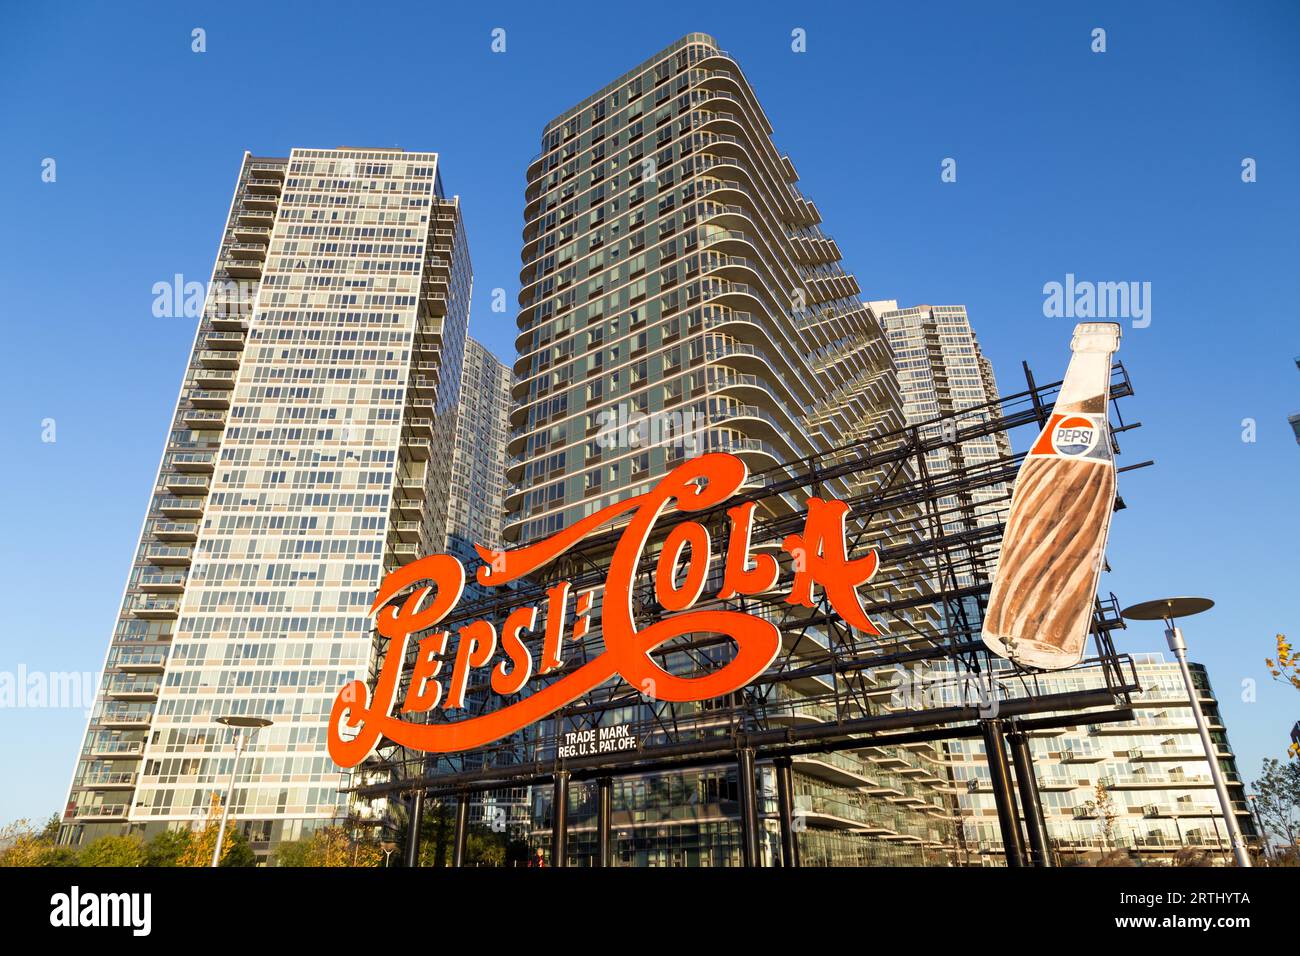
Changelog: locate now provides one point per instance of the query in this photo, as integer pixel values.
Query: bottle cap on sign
(1096, 337)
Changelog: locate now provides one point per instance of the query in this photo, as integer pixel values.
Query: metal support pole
(462, 830)
(1174, 636)
(1039, 844)
(1000, 777)
(413, 829)
(560, 817)
(230, 797)
(604, 789)
(785, 808)
(1260, 834)
(748, 796)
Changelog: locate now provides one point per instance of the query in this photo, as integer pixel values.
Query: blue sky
(1119, 166)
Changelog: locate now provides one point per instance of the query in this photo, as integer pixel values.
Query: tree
(167, 848)
(203, 841)
(485, 848)
(236, 851)
(113, 851)
(23, 845)
(293, 853)
(51, 831)
(1103, 808)
(1278, 799)
(1286, 670)
(331, 847)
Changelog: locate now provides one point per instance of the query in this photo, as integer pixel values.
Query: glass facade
(478, 475)
(680, 297)
(311, 452)
(941, 371)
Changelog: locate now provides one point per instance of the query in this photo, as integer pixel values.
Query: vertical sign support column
(413, 828)
(785, 807)
(559, 817)
(462, 830)
(748, 796)
(1000, 777)
(1040, 844)
(604, 787)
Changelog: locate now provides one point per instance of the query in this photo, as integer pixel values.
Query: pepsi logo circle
(1075, 435)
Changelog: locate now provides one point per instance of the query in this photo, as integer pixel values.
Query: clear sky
(1117, 166)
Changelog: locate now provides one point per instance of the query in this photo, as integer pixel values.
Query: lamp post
(1169, 610)
(240, 725)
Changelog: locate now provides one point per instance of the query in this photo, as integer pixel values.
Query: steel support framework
(911, 496)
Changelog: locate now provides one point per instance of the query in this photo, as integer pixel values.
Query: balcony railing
(132, 686)
(107, 779)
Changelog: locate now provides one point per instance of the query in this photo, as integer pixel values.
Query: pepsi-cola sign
(415, 599)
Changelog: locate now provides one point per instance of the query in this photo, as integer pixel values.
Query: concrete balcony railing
(162, 554)
(181, 507)
(152, 608)
(194, 461)
(207, 398)
(162, 582)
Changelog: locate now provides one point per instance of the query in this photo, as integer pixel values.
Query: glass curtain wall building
(679, 297)
(309, 452)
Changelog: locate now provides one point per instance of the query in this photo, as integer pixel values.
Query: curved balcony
(749, 420)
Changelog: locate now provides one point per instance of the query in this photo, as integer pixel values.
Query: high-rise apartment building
(679, 297)
(1140, 787)
(310, 451)
(478, 472)
(942, 371)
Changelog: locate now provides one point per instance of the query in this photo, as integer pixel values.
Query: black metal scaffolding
(935, 520)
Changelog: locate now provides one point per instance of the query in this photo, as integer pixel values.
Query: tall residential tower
(941, 371)
(478, 472)
(679, 297)
(309, 452)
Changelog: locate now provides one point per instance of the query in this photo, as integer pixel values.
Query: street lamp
(242, 726)
(1169, 610)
